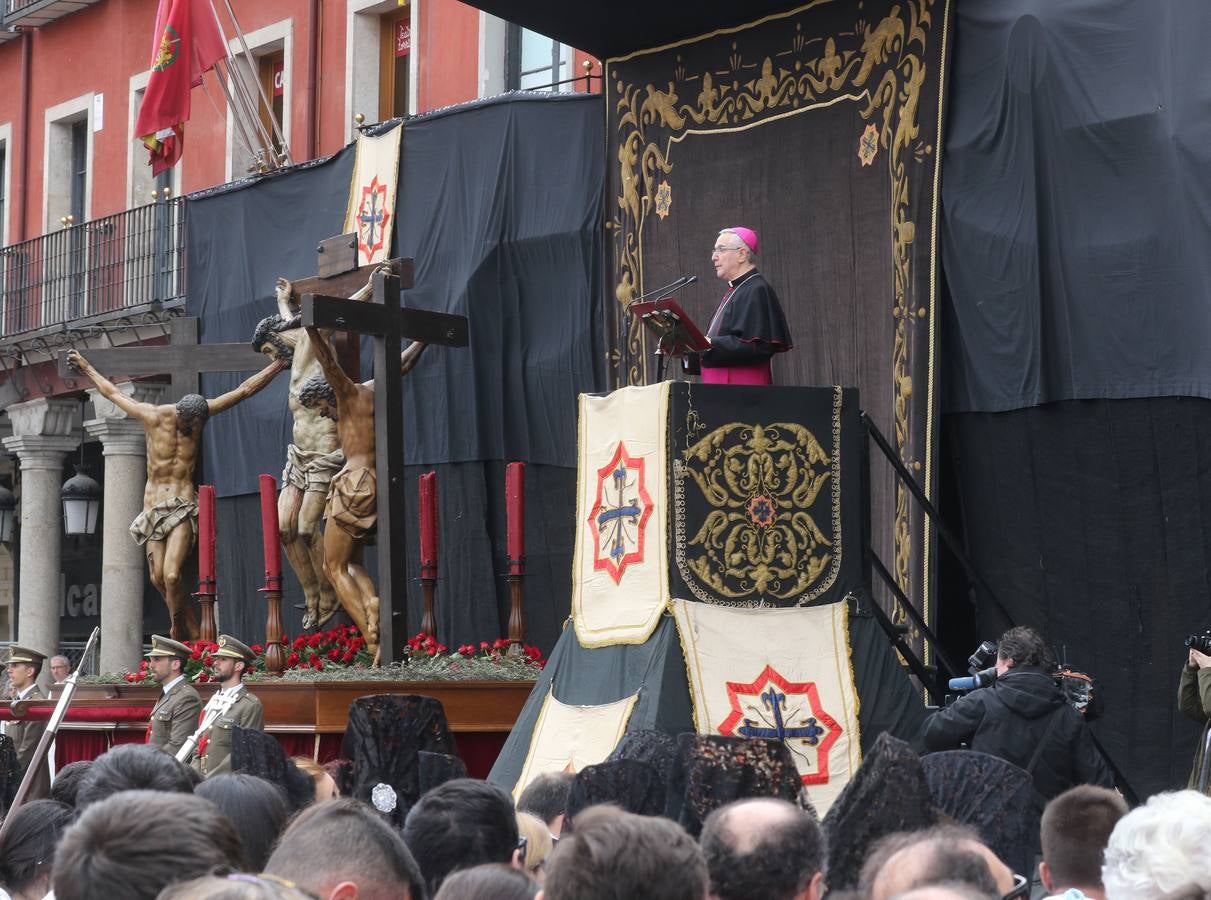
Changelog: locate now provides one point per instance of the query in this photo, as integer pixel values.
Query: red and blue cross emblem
(372, 218)
(771, 707)
(619, 517)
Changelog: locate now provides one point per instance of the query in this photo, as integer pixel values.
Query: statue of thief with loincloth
(168, 524)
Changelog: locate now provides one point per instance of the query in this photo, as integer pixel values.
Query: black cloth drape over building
(1077, 207)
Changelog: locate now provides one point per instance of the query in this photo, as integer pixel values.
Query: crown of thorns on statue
(267, 333)
(314, 390)
(192, 409)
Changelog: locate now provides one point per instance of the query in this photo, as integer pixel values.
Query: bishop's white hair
(1160, 848)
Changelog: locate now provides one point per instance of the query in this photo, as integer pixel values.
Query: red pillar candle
(269, 528)
(206, 539)
(515, 516)
(428, 524)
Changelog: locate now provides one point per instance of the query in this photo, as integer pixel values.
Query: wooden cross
(388, 323)
(184, 360)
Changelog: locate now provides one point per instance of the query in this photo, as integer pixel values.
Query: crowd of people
(1024, 807)
(135, 823)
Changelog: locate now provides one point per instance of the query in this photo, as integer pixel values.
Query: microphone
(669, 288)
(978, 680)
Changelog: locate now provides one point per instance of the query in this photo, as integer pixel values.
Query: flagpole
(243, 108)
(249, 120)
(277, 126)
(235, 119)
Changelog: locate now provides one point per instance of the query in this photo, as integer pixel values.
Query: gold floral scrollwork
(760, 540)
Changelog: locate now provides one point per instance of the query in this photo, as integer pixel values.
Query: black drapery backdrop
(819, 129)
(1075, 213)
(504, 224)
(1090, 521)
(1076, 204)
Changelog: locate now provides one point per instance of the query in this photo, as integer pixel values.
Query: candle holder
(206, 597)
(517, 612)
(275, 655)
(428, 586)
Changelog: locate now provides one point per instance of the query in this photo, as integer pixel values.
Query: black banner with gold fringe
(764, 510)
(819, 128)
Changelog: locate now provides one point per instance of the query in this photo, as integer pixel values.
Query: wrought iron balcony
(119, 265)
(36, 13)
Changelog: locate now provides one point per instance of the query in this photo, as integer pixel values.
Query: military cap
(162, 646)
(24, 655)
(230, 647)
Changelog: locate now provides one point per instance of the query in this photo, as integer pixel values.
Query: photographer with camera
(1025, 718)
(1194, 701)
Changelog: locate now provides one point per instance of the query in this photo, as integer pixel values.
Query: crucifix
(166, 527)
(383, 318)
(183, 359)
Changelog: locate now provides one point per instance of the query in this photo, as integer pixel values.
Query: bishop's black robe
(746, 331)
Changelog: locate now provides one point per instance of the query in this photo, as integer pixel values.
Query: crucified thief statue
(168, 524)
(312, 458)
(353, 497)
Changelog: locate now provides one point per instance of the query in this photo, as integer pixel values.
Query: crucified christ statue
(312, 458)
(168, 524)
(353, 497)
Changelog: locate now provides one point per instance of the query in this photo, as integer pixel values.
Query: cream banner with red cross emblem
(568, 738)
(620, 581)
(371, 210)
(777, 673)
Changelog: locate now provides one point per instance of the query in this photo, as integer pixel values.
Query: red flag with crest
(187, 42)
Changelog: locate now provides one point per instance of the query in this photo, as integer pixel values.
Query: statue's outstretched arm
(340, 383)
(144, 412)
(249, 387)
(411, 356)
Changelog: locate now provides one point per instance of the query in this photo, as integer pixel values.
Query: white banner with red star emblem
(620, 581)
(568, 738)
(777, 673)
(371, 210)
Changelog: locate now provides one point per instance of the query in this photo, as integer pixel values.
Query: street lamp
(8, 514)
(81, 497)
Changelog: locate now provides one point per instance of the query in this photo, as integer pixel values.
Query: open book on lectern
(675, 332)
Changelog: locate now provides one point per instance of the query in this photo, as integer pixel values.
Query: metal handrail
(105, 265)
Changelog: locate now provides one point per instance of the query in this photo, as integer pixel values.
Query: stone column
(124, 447)
(44, 432)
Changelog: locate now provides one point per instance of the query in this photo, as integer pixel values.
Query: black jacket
(1009, 719)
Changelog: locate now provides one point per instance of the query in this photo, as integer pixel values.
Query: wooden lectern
(675, 332)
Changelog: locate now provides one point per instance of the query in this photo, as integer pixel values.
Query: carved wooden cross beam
(383, 318)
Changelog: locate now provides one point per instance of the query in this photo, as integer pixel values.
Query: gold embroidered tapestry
(820, 129)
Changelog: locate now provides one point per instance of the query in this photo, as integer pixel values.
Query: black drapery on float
(505, 228)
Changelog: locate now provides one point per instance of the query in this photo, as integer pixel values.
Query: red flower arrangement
(343, 648)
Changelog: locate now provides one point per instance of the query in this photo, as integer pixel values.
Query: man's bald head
(745, 822)
(945, 892)
(934, 856)
(763, 848)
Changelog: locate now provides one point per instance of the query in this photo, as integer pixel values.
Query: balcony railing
(36, 13)
(126, 261)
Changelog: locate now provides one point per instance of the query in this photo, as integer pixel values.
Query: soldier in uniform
(23, 668)
(175, 715)
(231, 660)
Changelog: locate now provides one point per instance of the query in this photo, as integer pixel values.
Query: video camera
(1080, 690)
(1200, 642)
(982, 668)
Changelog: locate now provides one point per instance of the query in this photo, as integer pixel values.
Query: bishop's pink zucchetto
(747, 235)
